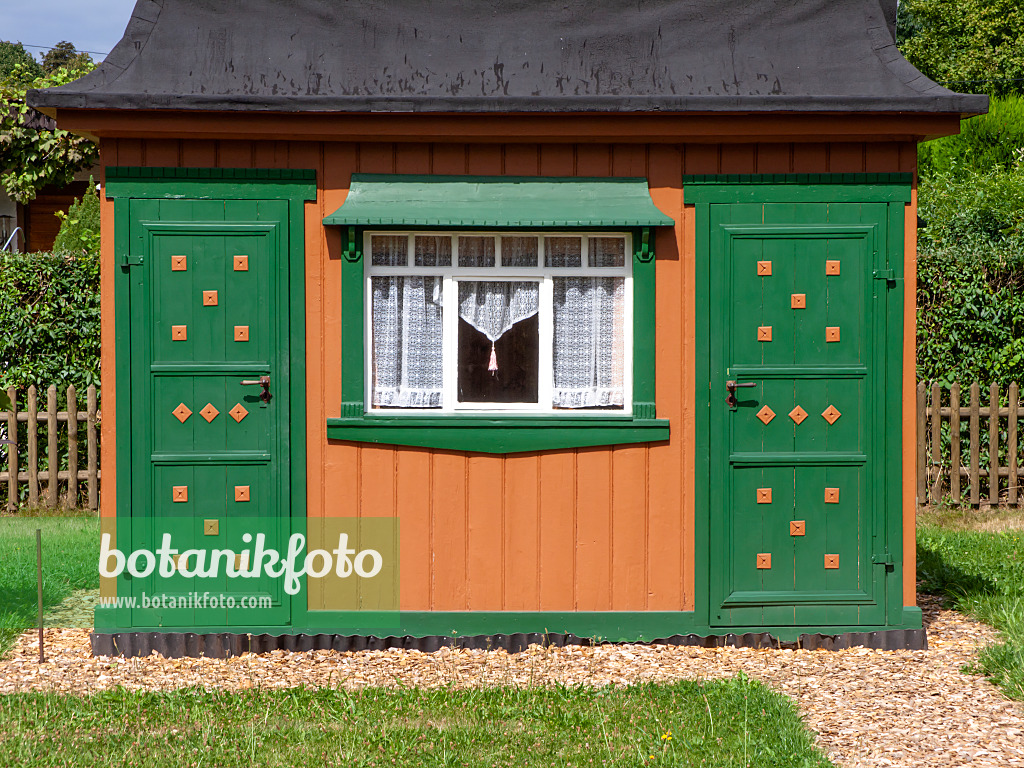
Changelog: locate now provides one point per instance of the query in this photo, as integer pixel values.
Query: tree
(64, 55)
(33, 151)
(13, 54)
(966, 45)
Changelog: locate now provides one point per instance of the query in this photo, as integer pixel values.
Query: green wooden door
(210, 458)
(798, 479)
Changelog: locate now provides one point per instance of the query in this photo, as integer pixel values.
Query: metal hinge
(131, 261)
(884, 274)
(883, 559)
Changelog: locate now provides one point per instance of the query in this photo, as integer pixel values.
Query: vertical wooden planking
(557, 160)
(882, 157)
(450, 159)
(52, 460)
(702, 158)
(629, 502)
(90, 436)
(199, 153)
(846, 157)
(975, 416)
(954, 442)
(12, 451)
(774, 158)
(522, 159)
(72, 409)
(739, 158)
(235, 154)
(162, 153)
(522, 532)
(594, 160)
(33, 445)
(1011, 443)
(922, 454)
(993, 444)
(810, 157)
(936, 425)
(558, 530)
(270, 154)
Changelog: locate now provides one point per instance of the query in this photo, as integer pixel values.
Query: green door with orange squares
(804, 347)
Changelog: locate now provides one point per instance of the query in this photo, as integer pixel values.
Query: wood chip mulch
(869, 708)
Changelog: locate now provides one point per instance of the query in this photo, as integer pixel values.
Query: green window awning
(497, 201)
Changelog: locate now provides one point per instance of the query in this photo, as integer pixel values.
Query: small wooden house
(605, 310)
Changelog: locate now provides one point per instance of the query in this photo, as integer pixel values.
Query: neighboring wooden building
(503, 264)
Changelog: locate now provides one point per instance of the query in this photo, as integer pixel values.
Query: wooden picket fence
(967, 445)
(73, 486)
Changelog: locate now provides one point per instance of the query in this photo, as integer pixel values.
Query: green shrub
(50, 316)
(80, 226)
(984, 142)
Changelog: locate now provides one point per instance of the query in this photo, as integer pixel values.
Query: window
(532, 322)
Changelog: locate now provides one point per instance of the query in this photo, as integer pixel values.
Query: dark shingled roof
(510, 56)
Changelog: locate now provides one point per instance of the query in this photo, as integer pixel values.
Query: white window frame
(543, 275)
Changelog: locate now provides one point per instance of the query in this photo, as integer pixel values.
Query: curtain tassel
(493, 364)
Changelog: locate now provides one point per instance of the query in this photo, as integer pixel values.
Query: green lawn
(982, 574)
(71, 552)
(723, 723)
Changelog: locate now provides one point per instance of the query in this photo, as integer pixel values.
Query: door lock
(262, 381)
(731, 387)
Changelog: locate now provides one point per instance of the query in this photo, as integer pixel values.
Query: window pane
(389, 250)
(407, 342)
(563, 251)
(499, 349)
(519, 251)
(589, 342)
(476, 251)
(607, 251)
(433, 251)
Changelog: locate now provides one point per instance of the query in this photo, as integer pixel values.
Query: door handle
(731, 387)
(262, 381)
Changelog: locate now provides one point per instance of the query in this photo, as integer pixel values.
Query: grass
(736, 722)
(70, 557)
(977, 560)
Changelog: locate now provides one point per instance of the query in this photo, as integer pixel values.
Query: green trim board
(608, 626)
(496, 201)
(507, 433)
(149, 186)
(798, 188)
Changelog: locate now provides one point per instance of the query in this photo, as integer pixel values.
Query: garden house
(595, 319)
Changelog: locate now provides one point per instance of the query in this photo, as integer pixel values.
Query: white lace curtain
(589, 347)
(407, 342)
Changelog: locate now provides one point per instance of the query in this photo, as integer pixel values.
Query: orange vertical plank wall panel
(486, 512)
(270, 154)
(775, 158)
(810, 157)
(522, 159)
(739, 158)
(670, 552)
(558, 511)
(163, 153)
(630, 478)
(109, 157)
(908, 164)
(846, 157)
(235, 154)
(882, 157)
(199, 153)
(521, 534)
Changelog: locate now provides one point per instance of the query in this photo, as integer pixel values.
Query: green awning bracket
(646, 254)
(351, 252)
(398, 200)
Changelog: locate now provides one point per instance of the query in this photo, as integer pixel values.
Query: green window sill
(497, 434)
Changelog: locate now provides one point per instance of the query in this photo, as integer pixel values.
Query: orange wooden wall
(590, 529)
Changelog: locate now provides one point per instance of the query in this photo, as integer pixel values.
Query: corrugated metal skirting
(224, 644)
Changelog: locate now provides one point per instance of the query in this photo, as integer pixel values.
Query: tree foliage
(984, 143)
(967, 45)
(32, 155)
(80, 226)
(13, 54)
(64, 55)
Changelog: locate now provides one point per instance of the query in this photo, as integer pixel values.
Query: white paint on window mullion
(450, 342)
(546, 329)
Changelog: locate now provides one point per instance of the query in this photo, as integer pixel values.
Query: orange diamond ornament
(238, 412)
(798, 414)
(766, 414)
(209, 412)
(831, 414)
(182, 412)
